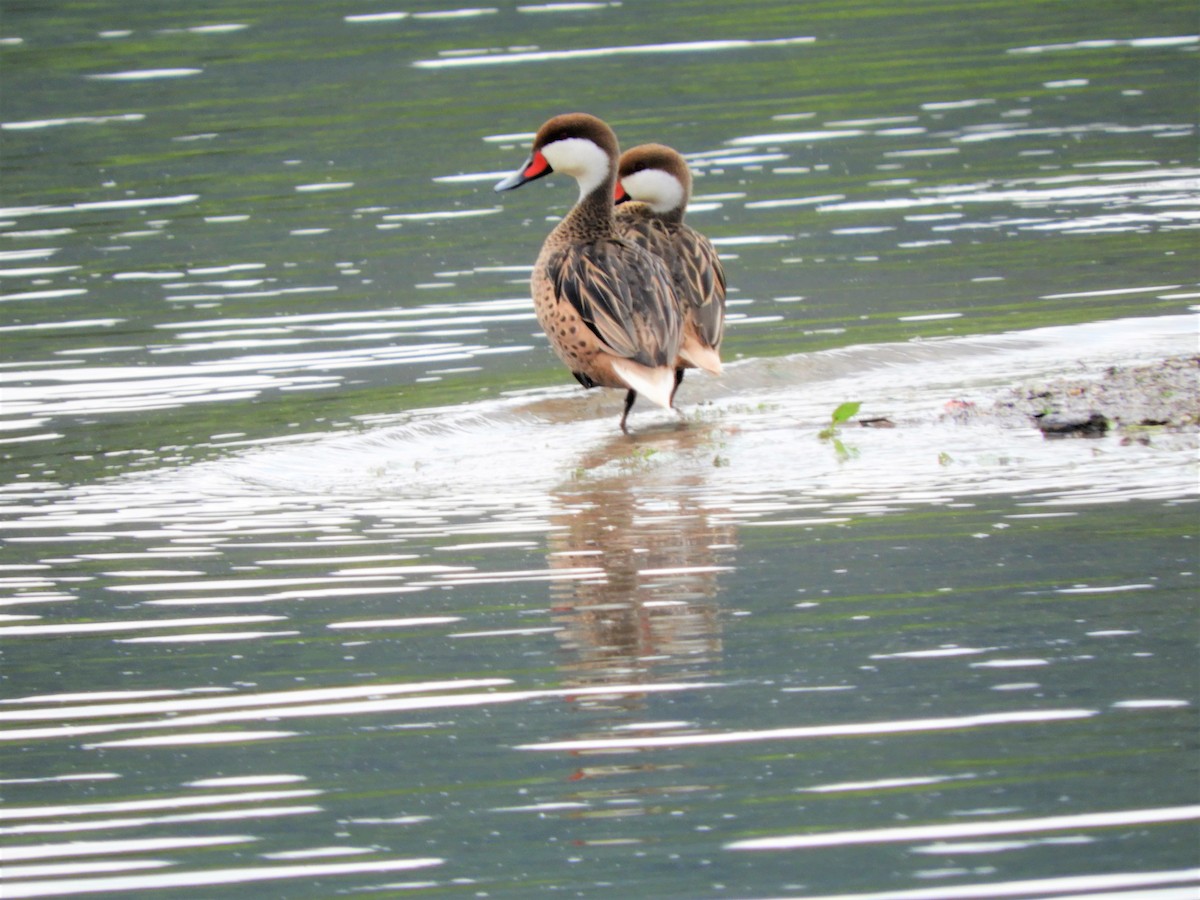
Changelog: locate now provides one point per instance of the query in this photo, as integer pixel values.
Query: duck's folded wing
(637, 225)
(700, 280)
(624, 295)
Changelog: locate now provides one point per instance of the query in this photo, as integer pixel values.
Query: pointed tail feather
(655, 385)
(701, 357)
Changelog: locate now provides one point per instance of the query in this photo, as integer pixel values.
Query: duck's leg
(629, 398)
(678, 382)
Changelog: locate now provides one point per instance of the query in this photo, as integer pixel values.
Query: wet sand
(1133, 400)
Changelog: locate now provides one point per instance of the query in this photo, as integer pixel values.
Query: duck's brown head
(575, 144)
(655, 175)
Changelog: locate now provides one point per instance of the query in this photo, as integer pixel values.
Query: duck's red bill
(536, 167)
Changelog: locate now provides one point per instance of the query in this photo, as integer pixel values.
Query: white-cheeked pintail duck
(654, 184)
(607, 304)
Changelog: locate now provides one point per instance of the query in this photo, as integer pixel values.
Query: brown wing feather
(635, 223)
(700, 280)
(623, 294)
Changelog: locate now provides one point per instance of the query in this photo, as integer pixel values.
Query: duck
(607, 304)
(653, 187)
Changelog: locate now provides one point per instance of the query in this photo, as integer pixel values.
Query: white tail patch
(655, 385)
(701, 357)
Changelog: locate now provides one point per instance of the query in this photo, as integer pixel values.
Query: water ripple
(493, 59)
(1120, 819)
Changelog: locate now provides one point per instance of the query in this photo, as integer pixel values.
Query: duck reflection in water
(650, 613)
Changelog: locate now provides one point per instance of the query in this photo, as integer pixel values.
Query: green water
(319, 576)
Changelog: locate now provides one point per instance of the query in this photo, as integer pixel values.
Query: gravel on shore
(1163, 396)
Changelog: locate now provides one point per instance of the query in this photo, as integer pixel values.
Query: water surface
(319, 577)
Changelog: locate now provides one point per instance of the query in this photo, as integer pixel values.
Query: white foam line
(595, 52)
(818, 731)
(972, 829)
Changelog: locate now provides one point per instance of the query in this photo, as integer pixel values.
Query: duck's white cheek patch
(661, 190)
(580, 158)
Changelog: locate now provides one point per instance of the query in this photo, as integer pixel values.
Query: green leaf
(845, 411)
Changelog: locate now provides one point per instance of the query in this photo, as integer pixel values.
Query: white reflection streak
(364, 707)
(396, 623)
(377, 17)
(203, 637)
(595, 52)
(106, 825)
(315, 852)
(96, 848)
(245, 780)
(102, 627)
(144, 74)
(817, 731)
(795, 137)
(1058, 194)
(226, 701)
(973, 829)
(135, 203)
(561, 7)
(1109, 43)
(882, 784)
(434, 215)
(1043, 886)
(73, 867)
(208, 877)
(119, 806)
(72, 120)
(245, 584)
(347, 316)
(937, 653)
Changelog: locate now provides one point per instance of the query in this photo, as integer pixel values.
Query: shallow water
(318, 577)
